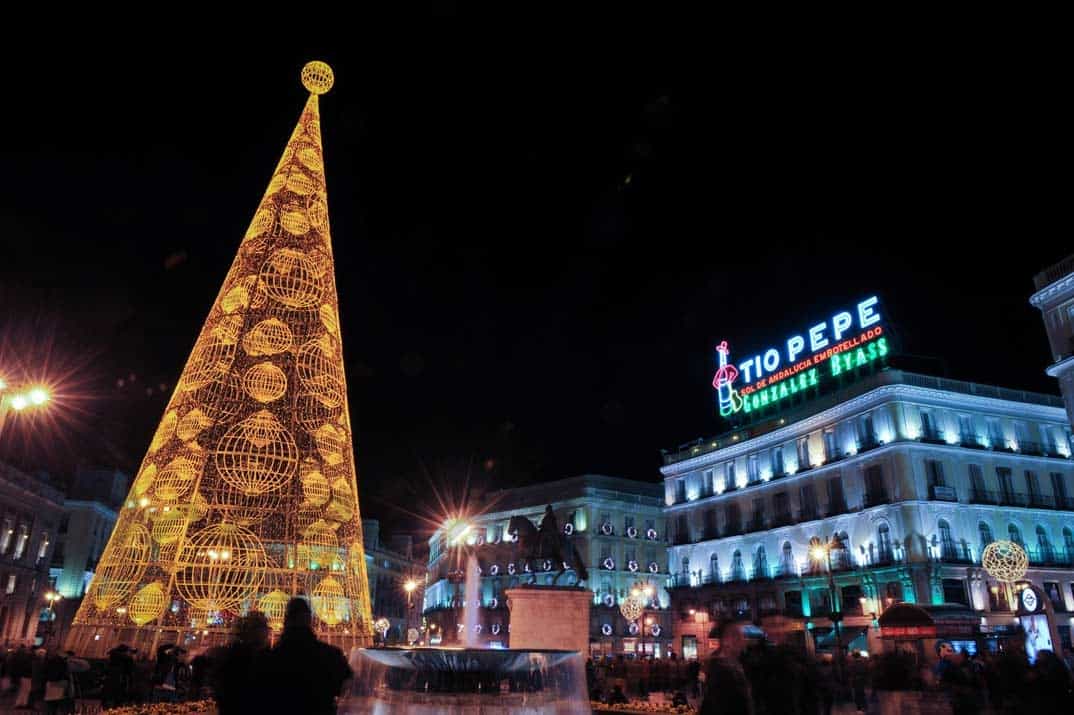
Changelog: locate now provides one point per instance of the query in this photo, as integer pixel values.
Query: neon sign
(840, 343)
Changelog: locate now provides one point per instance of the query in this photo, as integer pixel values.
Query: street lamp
(21, 398)
(824, 551)
(51, 597)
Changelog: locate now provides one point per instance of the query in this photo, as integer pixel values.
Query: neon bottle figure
(729, 399)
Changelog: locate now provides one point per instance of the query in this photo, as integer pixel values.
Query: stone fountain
(535, 676)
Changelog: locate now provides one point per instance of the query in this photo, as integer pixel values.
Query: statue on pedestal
(546, 548)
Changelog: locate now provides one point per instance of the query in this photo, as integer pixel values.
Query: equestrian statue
(547, 546)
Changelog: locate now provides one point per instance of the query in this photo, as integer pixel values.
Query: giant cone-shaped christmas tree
(247, 494)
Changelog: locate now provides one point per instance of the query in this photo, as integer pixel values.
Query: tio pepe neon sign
(849, 340)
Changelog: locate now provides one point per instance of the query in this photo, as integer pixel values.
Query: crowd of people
(754, 677)
(298, 674)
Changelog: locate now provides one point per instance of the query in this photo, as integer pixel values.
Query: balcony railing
(876, 498)
(1026, 501)
(943, 493)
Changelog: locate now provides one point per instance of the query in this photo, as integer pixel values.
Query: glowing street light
(21, 399)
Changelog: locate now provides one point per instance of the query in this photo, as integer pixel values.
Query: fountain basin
(424, 681)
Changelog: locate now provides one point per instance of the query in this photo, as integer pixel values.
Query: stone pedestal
(552, 617)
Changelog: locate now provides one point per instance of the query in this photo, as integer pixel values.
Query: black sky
(535, 253)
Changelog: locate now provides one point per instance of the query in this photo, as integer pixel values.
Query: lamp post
(14, 399)
(51, 597)
(825, 551)
(409, 586)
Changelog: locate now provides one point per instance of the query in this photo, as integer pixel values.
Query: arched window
(884, 553)
(1068, 541)
(840, 550)
(760, 563)
(786, 560)
(686, 564)
(1044, 545)
(986, 534)
(1015, 535)
(947, 544)
(714, 568)
(738, 572)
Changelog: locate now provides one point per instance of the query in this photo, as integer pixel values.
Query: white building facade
(619, 529)
(1055, 300)
(898, 481)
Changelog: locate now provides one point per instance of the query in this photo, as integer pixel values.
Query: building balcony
(1025, 501)
(782, 519)
(756, 523)
(955, 553)
(939, 492)
(836, 508)
(876, 499)
(1055, 557)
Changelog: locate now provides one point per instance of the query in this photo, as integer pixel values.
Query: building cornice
(823, 469)
(871, 399)
(1060, 367)
(1054, 290)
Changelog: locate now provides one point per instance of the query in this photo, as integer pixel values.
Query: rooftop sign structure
(848, 340)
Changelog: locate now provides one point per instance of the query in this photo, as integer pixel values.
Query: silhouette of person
(233, 677)
(301, 674)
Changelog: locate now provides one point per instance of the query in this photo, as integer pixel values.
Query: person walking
(301, 674)
(233, 675)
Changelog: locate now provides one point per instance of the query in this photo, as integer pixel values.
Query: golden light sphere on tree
(222, 398)
(220, 567)
(290, 278)
(176, 479)
(343, 503)
(211, 359)
(265, 382)
(164, 431)
(269, 337)
(315, 489)
(311, 158)
(1005, 561)
(148, 603)
(257, 455)
(274, 605)
(192, 424)
(168, 526)
(329, 601)
(330, 443)
(320, 370)
(319, 547)
(145, 479)
(317, 213)
(317, 77)
(121, 566)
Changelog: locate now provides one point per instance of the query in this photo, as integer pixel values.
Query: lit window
(20, 541)
(11, 581)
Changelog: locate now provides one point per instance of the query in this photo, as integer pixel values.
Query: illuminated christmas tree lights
(247, 494)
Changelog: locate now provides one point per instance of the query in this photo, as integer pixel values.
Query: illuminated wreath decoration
(568, 528)
(632, 608)
(495, 629)
(632, 565)
(494, 603)
(546, 564)
(633, 628)
(632, 532)
(655, 630)
(608, 564)
(654, 567)
(526, 567)
(606, 529)
(511, 569)
(1005, 561)
(606, 629)
(651, 534)
(477, 628)
(494, 569)
(609, 600)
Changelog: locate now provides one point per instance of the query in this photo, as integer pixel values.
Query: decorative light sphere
(274, 605)
(382, 625)
(631, 608)
(317, 77)
(1005, 561)
(148, 603)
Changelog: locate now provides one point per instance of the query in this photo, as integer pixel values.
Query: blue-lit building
(882, 491)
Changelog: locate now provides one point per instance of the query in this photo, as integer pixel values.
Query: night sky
(535, 257)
